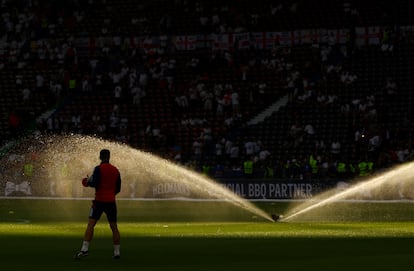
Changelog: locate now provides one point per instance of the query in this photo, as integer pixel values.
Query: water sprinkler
(276, 217)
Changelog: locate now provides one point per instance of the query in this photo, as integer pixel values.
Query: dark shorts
(98, 207)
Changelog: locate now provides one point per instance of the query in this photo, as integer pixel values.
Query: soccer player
(106, 180)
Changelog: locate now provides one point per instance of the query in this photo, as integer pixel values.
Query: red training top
(107, 182)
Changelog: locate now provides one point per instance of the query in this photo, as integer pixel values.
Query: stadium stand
(148, 76)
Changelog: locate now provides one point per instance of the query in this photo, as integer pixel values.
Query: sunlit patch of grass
(273, 229)
(217, 230)
(42, 229)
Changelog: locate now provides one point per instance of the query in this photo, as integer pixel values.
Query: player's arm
(118, 184)
(93, 180)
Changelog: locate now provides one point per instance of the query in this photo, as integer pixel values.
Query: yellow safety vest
(313, 164)
(28, 170)
(363, 169)
(341, 167)
(248, 167)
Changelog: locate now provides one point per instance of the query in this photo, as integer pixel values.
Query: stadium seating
(371, 64)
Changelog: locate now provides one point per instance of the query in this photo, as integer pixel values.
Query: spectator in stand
(227, 100)
(219, 151)
(95, 118)
(235, 103)
(194, 99)
(207, 98)
(76, 121)
(293, 168)
(26, 95)
(331, 99)
(52, 124)
(204, 24)
(117, 94)
(249, 147)
(374, 143)
(197, 148)
(345, 109)
(55, 88)
(309, 131)
(123, 127)
(101, 128)
(19, 81)
(391, 87)
(228, 144)
(235, 154)
(386, 41)
(114, 123)
(40, 83)
(207, 137)
(86, 84)
(137, 94)
(324, 167)
(219, 107)
(264, 157)
(295, 134)
(229, 121)
(320, 145)
(335, 147)
(348, 77)
(402, 152)
(306, 170)
(14, 124)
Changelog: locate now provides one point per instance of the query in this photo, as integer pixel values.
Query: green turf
(170, 235)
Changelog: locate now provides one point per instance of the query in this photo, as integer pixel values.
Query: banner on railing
(185, 42)
(370, 35)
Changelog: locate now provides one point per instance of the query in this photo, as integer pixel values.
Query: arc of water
(80, 153)
(323, 199)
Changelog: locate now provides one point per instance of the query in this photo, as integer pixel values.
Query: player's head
(104, 155)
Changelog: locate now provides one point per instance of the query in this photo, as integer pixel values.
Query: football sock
(117, 250)
(85, 246)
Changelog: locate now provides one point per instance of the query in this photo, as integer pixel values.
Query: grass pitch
(176, 235)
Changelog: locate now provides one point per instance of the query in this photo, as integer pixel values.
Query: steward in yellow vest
(248, 167)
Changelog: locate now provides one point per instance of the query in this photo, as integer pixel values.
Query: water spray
(62, 161)
(389, 185)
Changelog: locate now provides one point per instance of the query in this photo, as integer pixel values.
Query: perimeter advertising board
(249, 189)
